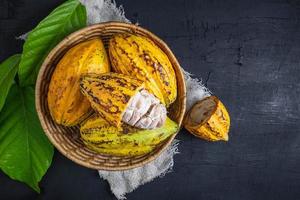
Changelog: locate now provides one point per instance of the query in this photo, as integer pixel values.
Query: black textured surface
(248, 54)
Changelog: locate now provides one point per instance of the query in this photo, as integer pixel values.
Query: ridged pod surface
(110, 93)
(125, 140)
(140, 57)
(208, 119)
(66, 103)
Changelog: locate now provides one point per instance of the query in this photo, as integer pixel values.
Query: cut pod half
(120, 98)
(208, 119)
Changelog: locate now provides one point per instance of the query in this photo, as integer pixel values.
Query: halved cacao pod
(208, 119)
(118, 97)
(110, 93)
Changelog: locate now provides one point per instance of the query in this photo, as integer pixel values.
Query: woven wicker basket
(67, 139)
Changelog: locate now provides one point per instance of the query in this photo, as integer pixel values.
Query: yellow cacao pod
(208, 119)
(66, 103)
(138, 56)
(110, 93)
(125, 140)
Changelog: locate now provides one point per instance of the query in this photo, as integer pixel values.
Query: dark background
(248, 54)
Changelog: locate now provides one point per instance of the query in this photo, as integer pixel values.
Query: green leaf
(8, 70)
(64, 20)
(25, 151)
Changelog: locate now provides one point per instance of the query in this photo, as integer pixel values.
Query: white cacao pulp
(145, 111)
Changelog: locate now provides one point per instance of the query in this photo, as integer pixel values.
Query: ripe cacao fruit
(208, 119)
(119, 97)
(66, 103)
(140, 57)
(98, 135)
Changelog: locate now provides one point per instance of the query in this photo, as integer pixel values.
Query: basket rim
(43, 67)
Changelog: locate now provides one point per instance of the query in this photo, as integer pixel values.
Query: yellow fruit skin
(140, 57)
(118, 151)
(110, 93)
(215, 128)
(125, 140)
(66, 103)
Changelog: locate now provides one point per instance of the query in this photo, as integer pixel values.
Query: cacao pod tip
(225, 137)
